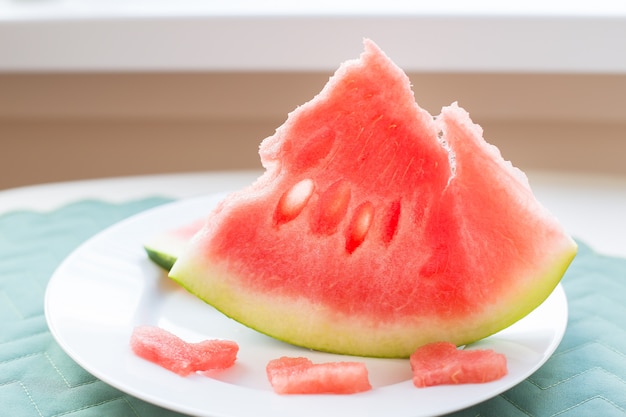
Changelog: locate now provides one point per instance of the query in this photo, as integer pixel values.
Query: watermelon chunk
(171, 352)
(377, 228)
(301, 376)
(441, 363)
(164, 248)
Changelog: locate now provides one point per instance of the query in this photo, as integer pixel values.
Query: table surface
(40, 225)
(591, 207)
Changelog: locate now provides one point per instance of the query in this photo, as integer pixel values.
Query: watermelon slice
(441, 363)
(164, 248)
(301, 376)
(377, 228)
(171, 352)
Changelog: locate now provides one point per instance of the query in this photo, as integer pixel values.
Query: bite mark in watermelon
(301, 376)
(377, 228)
(164, 348)
(441, 363)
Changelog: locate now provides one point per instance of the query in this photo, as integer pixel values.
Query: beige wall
(56, 127)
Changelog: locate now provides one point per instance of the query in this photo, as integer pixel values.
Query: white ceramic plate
(108, 286)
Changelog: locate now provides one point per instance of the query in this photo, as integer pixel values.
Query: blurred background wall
(67, 126)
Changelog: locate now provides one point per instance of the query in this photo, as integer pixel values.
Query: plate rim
(210, 200)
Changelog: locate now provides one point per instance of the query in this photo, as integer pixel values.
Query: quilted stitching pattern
(585, 376)
(36, 377)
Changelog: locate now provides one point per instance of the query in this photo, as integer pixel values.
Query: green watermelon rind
(272, 316)
(160, 257)
(165, 249)
(479, 272)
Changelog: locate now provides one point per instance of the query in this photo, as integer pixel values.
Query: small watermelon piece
(171, 352)
(441, 363)
(164, 248)
(377, 228)
(299, 375)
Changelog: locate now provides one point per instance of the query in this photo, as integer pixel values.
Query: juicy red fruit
(442, 363)
(377, 227)
(301, 376)
(173, 353)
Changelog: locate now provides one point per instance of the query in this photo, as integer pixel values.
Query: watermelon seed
(332, 207)
(359, 226)
(391, 223)
(293, 201)
(318, 148)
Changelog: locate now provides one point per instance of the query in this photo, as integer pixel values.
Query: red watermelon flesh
(441, 363)
(301, 376)
(377, 228)
(173, 353)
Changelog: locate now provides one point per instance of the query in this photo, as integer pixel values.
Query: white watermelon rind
(497, 268)
(301, 323)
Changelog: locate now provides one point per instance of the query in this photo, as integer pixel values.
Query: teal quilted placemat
(585, 377)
